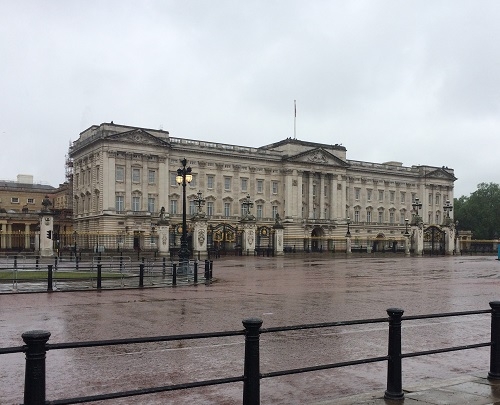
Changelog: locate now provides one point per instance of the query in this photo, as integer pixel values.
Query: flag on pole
(295, 108)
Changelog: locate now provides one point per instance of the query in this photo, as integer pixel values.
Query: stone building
(123, 176)
(20, 206)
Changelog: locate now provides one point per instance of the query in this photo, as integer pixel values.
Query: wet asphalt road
(281, 291)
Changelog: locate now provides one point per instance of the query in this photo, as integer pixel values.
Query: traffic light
(49, 234)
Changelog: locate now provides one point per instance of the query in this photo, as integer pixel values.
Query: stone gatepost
(46, 229)
(418, 238)
(278, 240)
(249, 231)
(407, 245)
(449, 240)
(199, 237)
(348, 245)
(163, 233)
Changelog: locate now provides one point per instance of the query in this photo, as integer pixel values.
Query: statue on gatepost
(163, 233)
(278, 235)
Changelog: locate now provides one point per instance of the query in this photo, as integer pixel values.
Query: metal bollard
(394, 368)
(174, 273)
(34, 376)
(55, 263)
(251, 373)
(15, 262)
(494, 373)
(121, 262)
(77, 260)
(37, 260)
(99, 275)
(164, 267)
(207, 270)
(195, 272)
(141, 274)
(211, 269)
(49, 277)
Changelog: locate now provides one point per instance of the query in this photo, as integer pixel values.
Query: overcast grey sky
(412, 81)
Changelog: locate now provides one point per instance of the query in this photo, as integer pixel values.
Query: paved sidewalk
(470, 390)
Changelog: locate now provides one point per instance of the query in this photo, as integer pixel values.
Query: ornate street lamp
(406, 225)
(416, 205)
(199, 201)
(447, 207)
(348, 234)
(247, 204)
(184, 177)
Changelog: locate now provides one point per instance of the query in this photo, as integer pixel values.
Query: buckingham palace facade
(124, 175)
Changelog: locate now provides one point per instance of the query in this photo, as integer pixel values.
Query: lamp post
(348, 234)
(407, 240)
(406, 226)
(74, 241)
(416, 205)
(199, 201)
(184, 177)
(447, 207)
(247, 204)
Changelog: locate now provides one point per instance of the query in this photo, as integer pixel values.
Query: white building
(123, 175)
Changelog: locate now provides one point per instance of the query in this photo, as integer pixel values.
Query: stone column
(299, 194)
(8, 236)
(407, 245)
(163, 233)
(27, 236)
(321, 196)
(449, 240)
(348, 244)
(310, 205)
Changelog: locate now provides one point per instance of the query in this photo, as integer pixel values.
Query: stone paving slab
(470, 390)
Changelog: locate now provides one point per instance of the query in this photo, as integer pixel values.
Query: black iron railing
(36, 347)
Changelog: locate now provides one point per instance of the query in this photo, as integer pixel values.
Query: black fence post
(141, 275)
(211, 269)
(195, 272)
(174, 273)
(121, 262)
(251, 374)
(99, 275)
(77, 260)
(207, 270)
(55, 262)
(49, 277)
(394, 368)
(37, 258)
(164, 267)
(34, 375)
(494, 373)
(15, 262)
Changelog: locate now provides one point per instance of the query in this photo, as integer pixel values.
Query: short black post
(494, 373)
(49, 277)
(164, 267)
(174, 273)
(37, 259)
(141, 275)
(207, 270)
(15, 262)
(77, 260)
(394, 368)
(195, 272)
(34, 375)
(121, 262)
(99, 275)
(55, 263)
(211, 269)
(251, 373)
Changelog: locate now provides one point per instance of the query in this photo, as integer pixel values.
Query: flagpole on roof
(294, 119)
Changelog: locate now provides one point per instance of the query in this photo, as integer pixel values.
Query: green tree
(480, 212)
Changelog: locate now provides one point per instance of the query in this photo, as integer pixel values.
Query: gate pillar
(163, 234)
(418, 238)
(248, 242)
(449, 240)
(46, 229)
(200, 237)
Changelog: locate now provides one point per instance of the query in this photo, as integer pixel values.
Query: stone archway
(317, 235)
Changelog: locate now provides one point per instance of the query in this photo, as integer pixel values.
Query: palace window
(119, 203)
(227, 184)
(369, 194)
(381, 195)
(274, 211)
(136, 203)
(356, 216)
(192, 207)
(173, 175)
(259, 211)
(402, 197)
(391, 196)
(260, 186)
(173, 206)
(368, 217)
(151, 176)
(274, 187)
(380, 217)
(136, 175)
(227, 209)
(151, 204)
(391, 217)
(210, 182)
(210, 208)
(357, 192)
(244, 184)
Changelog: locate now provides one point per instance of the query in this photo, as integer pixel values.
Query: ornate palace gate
(434, 241)
(224, 238)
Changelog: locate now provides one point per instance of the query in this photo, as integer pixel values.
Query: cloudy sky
(416, 81)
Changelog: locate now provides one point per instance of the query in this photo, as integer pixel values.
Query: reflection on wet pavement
(281, 291)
